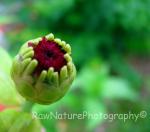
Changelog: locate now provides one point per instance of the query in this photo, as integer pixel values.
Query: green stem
(27, 106)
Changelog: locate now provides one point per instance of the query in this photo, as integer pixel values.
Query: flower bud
(43, 69)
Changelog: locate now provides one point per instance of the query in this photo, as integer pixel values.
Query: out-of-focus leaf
(126, 71)
(95, 110)
(53, 9)
(8, 93)
(118, 88)
(85, 43)
(138, 11)
(48, 123)
(71, 101)
(7, 19)
(91, 78)
(13, 121)
(6, 61)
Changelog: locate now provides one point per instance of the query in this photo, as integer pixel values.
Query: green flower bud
(43, 69)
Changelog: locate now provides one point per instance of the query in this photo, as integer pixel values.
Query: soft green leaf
(91, 78)
(6, 61)
(118, 88)
(8, 93)
(95, 109)
(13, 121)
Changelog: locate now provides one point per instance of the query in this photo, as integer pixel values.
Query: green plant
(42, 72)
(43, 69)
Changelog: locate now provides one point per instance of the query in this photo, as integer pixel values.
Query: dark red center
(48, 54)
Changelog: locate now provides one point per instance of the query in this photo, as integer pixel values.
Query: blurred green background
(110, 42)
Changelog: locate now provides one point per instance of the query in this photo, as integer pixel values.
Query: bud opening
(48, 54)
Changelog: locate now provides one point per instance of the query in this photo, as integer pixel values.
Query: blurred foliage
(13, 121)
(7, 87)
(104, 35)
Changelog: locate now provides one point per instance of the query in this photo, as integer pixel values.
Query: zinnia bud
(43, 69)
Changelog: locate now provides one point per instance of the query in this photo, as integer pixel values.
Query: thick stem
(27, 106)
